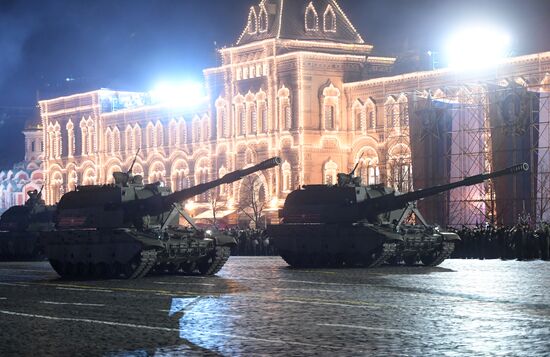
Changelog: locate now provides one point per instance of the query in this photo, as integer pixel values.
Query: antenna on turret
(133, 162)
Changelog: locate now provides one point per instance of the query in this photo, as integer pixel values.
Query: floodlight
(476, 47)
(184, 94)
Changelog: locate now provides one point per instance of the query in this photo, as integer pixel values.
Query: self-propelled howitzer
(127, 228)
(352, 224)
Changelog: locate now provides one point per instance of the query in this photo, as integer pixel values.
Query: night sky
(55, 47)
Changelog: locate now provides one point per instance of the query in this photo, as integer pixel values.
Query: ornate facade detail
(283, 90)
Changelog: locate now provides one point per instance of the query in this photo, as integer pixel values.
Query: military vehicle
(21, 228)
(349, 224)
(125, 229)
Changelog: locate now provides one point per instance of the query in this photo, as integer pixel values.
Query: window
(263, 117)
(172, 133)
(392, 118)
(329, 117)
(150, 132)
(262, 26)
(129, 139)
(116, 139)
(70, 139)
(242, 121)
(329, 20)
(108, 140)
(252, 21)
(401, 175)
(372, 117)
(159, 135)
(287, 181)
(403, 106)
(329, 173)
(311, 18)
(288, 117)
(253, 119)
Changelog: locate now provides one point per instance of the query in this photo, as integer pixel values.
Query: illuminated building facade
(302, 84)
(24, 176)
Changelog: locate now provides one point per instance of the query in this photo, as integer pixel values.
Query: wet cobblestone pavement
(259, 306)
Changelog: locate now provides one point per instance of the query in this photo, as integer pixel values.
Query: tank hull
(333, 245)
(21, 246)
(424, 246)
(129, 253)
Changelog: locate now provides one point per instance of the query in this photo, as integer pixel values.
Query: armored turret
(21, 227)
(129, 203)
(367, 219)
(128, 228)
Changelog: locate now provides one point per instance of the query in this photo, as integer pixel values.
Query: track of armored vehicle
(349, 224)
(129, 229)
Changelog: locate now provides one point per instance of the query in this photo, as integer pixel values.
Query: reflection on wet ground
(257, 305)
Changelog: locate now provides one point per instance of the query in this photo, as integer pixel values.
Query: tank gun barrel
(392, 202)
(187, 193)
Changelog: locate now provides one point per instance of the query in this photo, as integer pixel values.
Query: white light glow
(185, 94)
(477, 47)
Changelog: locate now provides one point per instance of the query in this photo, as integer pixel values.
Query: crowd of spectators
(251, 242)
(482, 242)
(519, 242)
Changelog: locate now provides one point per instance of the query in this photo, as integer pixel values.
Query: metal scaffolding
(475, 129)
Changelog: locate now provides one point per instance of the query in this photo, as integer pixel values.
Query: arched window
(84, 136)
(205, 127)
(287, 177)
(91, 136)
(263, 116)
(202, 173)
(182, 132)
(57, 140)
(180, 175)
(359, 116)
(224, 189)
(196, 127)
(262, 19)
(129, 139)
(222, 119)
(391, 113)
(330, 100)
(329, 20)
(116, 139)
(403, 105)
(371, 114)
(399, 164)
(285, 108)
(242, 120)
(172, 133)
(150, 135)
(159, 135)
(253, 119)
(311, 19)
(368, 167)
(330, 170)
(252, 21)
(137, 138)
(70, 139)
(108, 141)
(330, 117)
